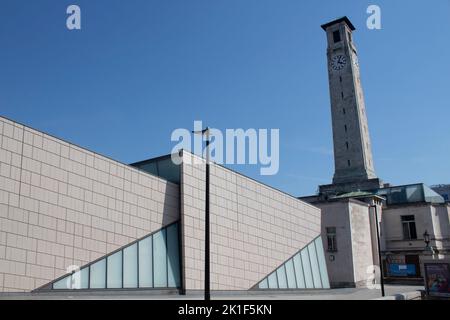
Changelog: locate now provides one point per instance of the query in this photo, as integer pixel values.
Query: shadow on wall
(171, 204)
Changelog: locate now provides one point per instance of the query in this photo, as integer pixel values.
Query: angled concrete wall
(347, 267)
(254, 228)
(62, 205)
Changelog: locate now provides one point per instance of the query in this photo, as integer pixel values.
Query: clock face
(338, 62)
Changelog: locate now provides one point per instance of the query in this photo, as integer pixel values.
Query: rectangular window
(80, 279)
(336, 36)
(343, 110)
(282, 279)
(340, 79)
(290, 273)
(114, 274)
(409, 227)
(97, 275)
(130, 266)
(349, 163)
(331, 239)
(346, 144)
(298, 267)
(145, 263)
(345, 127)
(342, 95)
(159, 259)
(173, 263)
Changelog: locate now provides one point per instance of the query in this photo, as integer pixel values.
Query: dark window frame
(331, 239)
(336, 36)
(409, 227)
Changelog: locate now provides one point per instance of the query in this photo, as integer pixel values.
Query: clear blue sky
(139, 69)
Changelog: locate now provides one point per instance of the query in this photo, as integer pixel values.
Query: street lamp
(379, 250)
(205, 132)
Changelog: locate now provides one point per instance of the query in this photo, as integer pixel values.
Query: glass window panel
(97, 275)
(290, 273)
(322, 263)
(114, 274)
(130, 266)
(273, 282)
(406, 234)
(64, 283)
(149, 167)
(298, 267)
(145, 263)
(264, 284)
(168, 170)
(282, 280)
(307, 269)
(336, 36)
(173, 259)
(80, 279)
(314, 265)
(160, 259)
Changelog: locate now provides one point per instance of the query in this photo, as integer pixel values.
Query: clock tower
(354, 168)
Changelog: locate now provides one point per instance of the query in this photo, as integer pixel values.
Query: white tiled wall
(62, 205)
(254, 228)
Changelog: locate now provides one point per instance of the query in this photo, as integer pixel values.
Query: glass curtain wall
(152, 262)
(305, 270)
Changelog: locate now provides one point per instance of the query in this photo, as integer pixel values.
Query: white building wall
(433, 218)
(392, 226)
(339, 263)
(362, 245)
(62, 205)
(254, 228)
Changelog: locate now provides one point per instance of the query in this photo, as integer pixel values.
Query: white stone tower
(352, 149)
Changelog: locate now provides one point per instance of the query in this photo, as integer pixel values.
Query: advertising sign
(437, 277)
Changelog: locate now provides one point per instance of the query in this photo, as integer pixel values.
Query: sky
(139, 69)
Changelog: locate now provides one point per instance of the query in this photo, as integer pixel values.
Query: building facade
(411, 212)
(73, 219)
(406, 214)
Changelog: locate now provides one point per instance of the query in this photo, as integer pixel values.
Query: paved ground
(333, 294)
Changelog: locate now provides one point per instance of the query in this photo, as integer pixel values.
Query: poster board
(437, 279)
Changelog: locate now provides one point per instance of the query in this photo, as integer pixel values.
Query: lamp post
(205, 132)
(379, 250)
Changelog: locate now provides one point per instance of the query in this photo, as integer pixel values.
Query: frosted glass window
(160, 259)
(64, 283)
(97, 275)
(173, 259)
(114, 274)
(264, 284)
(314, 265)
(322, 263)
(273, 282)
(145, 263)
(130, 266)
(80, 279)
(298, 267)
(282, 280)
(290, 273)
(153, 262)
(307, 269)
